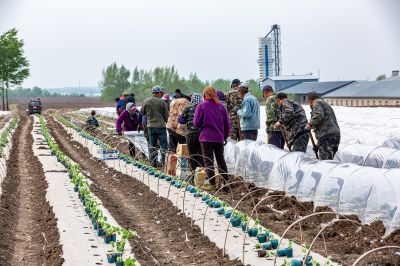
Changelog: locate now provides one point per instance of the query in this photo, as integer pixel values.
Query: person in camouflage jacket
(273, 111)
(325, 125)
(233, 104)
(293, 119)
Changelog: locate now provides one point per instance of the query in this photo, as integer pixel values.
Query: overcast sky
(68, 40)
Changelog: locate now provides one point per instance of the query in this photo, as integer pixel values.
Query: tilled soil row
(166, 236)
(28, 227)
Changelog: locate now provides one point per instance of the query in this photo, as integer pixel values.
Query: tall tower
(269, 53)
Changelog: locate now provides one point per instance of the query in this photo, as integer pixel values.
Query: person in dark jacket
(192, 133)
(325, 125)
(179, 94)
(128, 120)
(273, 112)
(156, 112)
(293, 119)
(91, 121)
(128, 99)
(212, 119)
(120, 103)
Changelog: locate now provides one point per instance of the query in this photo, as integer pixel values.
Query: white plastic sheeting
(370, 193)
(367, 155)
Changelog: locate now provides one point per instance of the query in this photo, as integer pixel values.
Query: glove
(277, 125)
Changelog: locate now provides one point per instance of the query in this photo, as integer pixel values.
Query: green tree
(381, 77)
(115, 81)
(14, 67)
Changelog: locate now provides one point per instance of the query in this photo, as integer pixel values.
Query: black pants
(194, 149)
(249, 134)
(132, 151)
(173, 140)
(276, 138)
(211, 149)
(328, 147)
(301, 143)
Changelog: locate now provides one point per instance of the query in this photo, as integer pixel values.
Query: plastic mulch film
(311, 179)
(384, 201)
(366, 137)
(228, 154)
(356, 153)
(285, 169)
(367, 155)
(293, 181)
(356, 191)
(234, 154)
(242, 161)
(261, 162)
(393, 160)
(330, 186)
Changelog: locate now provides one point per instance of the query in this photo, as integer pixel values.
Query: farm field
(62, 205)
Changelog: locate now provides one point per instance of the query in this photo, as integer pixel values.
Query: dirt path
(28, 229)
(162, 230)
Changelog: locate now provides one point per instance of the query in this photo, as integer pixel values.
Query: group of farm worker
(204, 123)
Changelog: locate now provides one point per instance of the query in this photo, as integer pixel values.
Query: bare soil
(28, 228)
(165, 236)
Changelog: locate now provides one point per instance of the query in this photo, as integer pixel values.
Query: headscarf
(221, 96)
(210, 94)
(166, 97)
(196, 99)
(130, 106)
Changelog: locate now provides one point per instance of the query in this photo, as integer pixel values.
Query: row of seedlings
(267, 245)
(113, 235)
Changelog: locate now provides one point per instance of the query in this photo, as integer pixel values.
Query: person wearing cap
(221, 98)
(273, 111)
(325, 125)
(176, 131)
(213, 121)
(167, 100)
(156, 111)
(128, 120)
(293, 119)
(249, 114)
(233, 104)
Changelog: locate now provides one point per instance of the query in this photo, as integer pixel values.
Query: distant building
(279, 83)
(269, 54)
(394, 76)
(366, 93)
(300, 91)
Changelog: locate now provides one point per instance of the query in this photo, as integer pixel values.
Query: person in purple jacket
(212, 119)
(128, 120)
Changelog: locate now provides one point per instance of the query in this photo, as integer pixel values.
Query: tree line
(117, 80)
(38, 92)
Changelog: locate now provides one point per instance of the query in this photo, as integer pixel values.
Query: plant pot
(94, 225)
(156, 175)
(205, 198)
(274, 243)
(309, 260)
(101, 232)
(261, 253)
(178, 184)
(119, 263)
(252, 232)
(111, 257)
(281, 252)
(221, 211)
(168, 178)
(228, 214)
(210, 202)
(236, 221)
(289, 252)
(262, 238)
(244, 226)
(173, 181)
(108, 239)
(197, 195)
(296, 262)
(216, 204)
(76, 189)
(193, 190)
(162, 176)
(267, 246)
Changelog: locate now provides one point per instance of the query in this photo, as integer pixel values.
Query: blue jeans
(157, 134)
